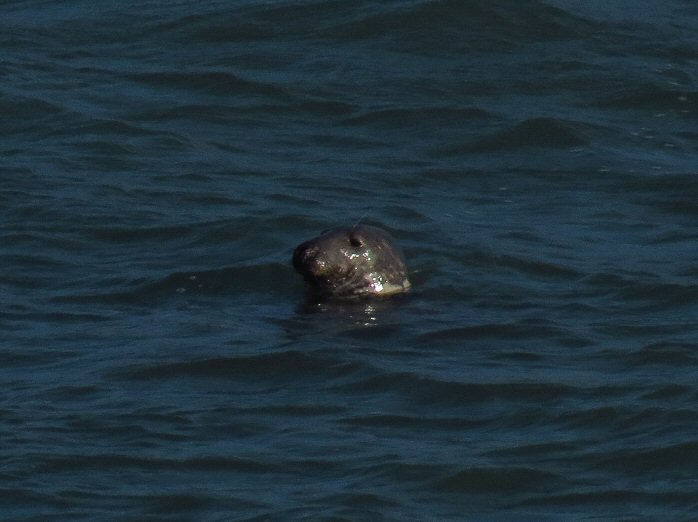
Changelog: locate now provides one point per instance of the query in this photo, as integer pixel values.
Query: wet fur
(352, 262)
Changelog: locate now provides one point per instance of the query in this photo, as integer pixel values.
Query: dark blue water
(536, 160)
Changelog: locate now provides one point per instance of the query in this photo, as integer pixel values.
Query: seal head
(353, 262)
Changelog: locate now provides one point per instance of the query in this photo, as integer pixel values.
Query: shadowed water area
(159, 359)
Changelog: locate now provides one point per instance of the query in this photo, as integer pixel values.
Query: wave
(261, 278)
(213, 82)
(654, 97)
(416, 116)
(279, 366)
(421, 25)
(535, 132)
(501, 479)
(473, 24)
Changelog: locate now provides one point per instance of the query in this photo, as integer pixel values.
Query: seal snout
(307, 262)
(303, 255)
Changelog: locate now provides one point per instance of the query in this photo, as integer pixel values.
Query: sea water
(159, 359)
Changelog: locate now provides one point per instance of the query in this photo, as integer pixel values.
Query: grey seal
(353, 262)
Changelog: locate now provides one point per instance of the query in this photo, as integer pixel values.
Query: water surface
(536, 160)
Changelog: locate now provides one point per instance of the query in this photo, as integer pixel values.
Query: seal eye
(355, 241)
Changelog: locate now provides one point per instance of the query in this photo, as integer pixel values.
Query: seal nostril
(355, 241)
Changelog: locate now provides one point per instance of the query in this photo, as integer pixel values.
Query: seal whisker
(358, 221)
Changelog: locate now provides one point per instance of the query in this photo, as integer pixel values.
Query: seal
(352, 263)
